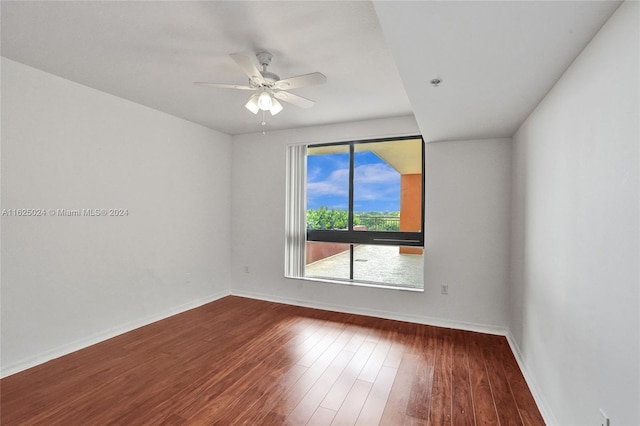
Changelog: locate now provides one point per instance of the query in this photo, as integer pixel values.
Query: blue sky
(376, 184)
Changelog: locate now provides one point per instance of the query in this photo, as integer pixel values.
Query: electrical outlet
(246, 269)
(604, 419)
(444, 289)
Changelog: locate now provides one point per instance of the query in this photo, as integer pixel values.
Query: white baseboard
(543, 406)
(438, 322)
(104, 335)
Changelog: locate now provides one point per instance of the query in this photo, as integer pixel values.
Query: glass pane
(387, 186)
(389, 265)
(328, 187)
(327, 260)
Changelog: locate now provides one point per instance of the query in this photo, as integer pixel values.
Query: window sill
(360, 284)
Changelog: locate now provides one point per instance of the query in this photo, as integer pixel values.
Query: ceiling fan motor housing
(270, 78)
(264, 58)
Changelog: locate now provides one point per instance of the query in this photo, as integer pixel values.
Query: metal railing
(379, 223)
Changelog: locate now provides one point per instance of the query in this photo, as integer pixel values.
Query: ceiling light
(252, 104)
(265, 102)
(276, 107)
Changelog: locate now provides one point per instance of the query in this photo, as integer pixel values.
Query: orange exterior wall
(411, 207)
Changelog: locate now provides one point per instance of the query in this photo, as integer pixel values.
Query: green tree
(325, 218)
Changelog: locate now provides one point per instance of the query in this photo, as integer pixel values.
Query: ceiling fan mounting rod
(264, 59)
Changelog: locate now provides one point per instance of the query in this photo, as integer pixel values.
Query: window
(355, 212)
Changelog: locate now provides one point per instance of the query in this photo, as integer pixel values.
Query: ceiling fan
(268, 87)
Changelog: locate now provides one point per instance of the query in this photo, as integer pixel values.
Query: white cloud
(337, 183)
(372, 182)
(375, 173)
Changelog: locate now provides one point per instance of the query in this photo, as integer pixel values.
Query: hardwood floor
(241, 361)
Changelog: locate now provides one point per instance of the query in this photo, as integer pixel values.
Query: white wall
(575, 250)
(71, 281)
(467, 216)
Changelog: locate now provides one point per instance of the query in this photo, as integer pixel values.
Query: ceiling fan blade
(247, 66)
(296, 100)
(224, 86)
(301, 81)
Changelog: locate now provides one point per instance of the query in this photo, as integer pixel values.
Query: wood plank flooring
(239, 361)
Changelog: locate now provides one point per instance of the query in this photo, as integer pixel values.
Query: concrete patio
(382, 265)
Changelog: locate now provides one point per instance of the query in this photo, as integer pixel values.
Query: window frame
(351, 236)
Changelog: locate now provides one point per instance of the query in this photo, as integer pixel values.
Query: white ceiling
(496, 59)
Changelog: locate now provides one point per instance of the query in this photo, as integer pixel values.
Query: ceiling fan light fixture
(265, 101)
(276, 107)
(252, 104)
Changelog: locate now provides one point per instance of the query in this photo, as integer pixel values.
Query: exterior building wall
(411, 207)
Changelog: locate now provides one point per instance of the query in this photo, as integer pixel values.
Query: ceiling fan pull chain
(264, 123)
